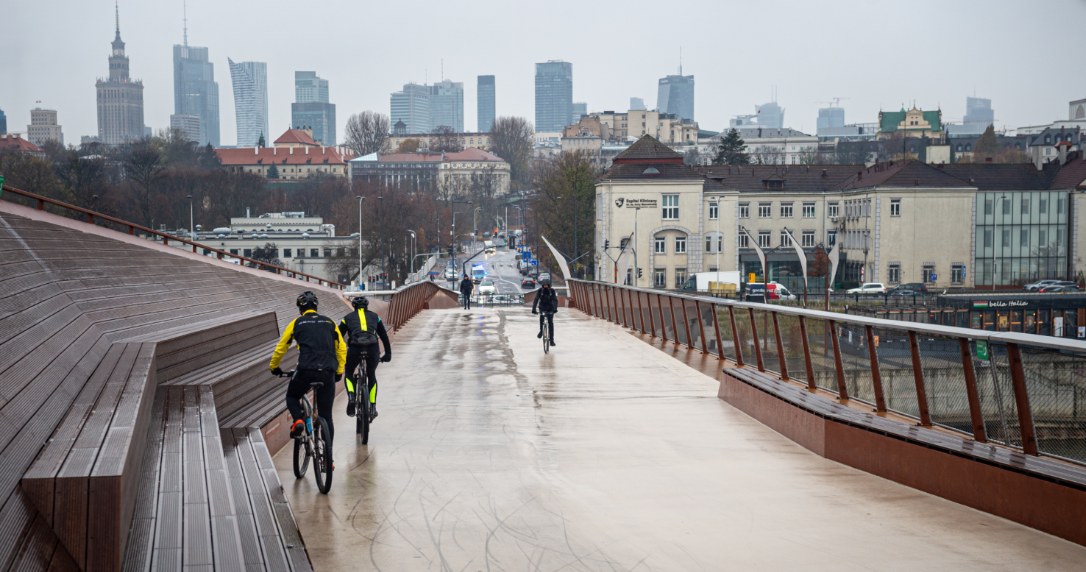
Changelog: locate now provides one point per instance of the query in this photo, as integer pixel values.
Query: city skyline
(61, 74)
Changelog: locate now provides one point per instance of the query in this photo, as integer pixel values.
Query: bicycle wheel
(362, 412)
(301, 457)
(546, 340)
(322, 456)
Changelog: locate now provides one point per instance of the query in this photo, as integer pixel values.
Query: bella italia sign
(999, 304)
(635, 203)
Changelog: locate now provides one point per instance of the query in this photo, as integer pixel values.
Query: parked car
(1061, 287)
(917, 287)
(869, 288)
(486, 287)
(451, 274)
(527, 283)
(544, 276)
(1036, 286)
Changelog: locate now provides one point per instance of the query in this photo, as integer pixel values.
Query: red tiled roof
(18, 144)
(296, 137)
(903, 174)
(279, 156)
(648, 149)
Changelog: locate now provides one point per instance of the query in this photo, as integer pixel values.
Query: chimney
(1062, 147)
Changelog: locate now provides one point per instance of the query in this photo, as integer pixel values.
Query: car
(917, 287)
(544, 276)
(1036, 286)
(757, 292)
(527, 282)
(478, 273)
(1065, 287)
(903, 293)
(450, 274)
(486, 287)
(868, 288)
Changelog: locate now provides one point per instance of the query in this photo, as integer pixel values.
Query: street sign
(934, 277)
(982, 350)
(535, 262)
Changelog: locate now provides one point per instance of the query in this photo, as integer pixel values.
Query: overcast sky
(1024, 55)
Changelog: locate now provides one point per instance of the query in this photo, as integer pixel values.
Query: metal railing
(92, 217)
(1020, 390)
(411, 300)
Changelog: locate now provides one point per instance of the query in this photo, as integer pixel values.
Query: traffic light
(639, 273)
(606, 244)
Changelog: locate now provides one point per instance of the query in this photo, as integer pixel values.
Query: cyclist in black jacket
(361, 329)
(546, 301)
(321, 359)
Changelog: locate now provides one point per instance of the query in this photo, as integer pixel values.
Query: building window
(987, 238)
(831, 209)
(764, 238)
(957, 273)
(659, 278)
(785, 239)
(1044, 204)
(1006, 242)
(714, 211)
(831, 238)
(659, 245)
(671, 207)
(234, 251)
(808, 210)
(808, 238)
(765, 210)
(1025, 205)
(680, 245)
(744, 210)
(286, 253)
(680, 277)
(927, 273)
(1006, 206)
(708, 243)
(895, 207)
(314, 253)
(743, 241)
(248, 252)
(893, 273)
(1023, 239)
(988, 207)
(786, 210)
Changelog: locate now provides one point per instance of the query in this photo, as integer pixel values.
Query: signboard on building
(622, 202)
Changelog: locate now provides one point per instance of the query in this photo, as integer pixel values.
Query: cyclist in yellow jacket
(322, 358)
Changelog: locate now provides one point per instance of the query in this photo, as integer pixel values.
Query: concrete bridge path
(607, 454)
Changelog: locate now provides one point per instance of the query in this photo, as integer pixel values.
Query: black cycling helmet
(307, 301)
(360, 302)
(545, 282)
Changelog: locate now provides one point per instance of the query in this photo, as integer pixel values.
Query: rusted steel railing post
(918, 378)
(701, 327)
(980, 434)
(876, 377)
(757, 341)
(811, 385)
(716, 329)
(640, 312)
(674, 323)
(1021, 399)
(652, 319)
(780, 348)
(838, 364)
(735, 337)
(614, 304)
(686, 324)
(663, 323)
(626, 305)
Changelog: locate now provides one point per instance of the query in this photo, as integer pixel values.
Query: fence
(1024, 391)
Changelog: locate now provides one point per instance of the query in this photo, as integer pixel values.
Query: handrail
(132, 227)
(939, 375)
(409, 301)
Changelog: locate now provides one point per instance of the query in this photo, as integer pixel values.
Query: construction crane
(835, 102)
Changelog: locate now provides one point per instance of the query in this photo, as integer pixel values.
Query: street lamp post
(474, 225)
(637, 269)
(360, 199)
(865, 277)
(192, 235)
(413, 248)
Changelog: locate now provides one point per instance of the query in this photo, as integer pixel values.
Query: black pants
(325, 395)
(354, 356)
(466, 299)
(549, 316)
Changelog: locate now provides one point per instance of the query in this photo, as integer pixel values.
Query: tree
(408, 146)
(732, 150)
(564, 207)
(143, 165)
(268, 253)
(273, 172)
(512, 139)
(445, 140)
(987, 146)
(367, 132)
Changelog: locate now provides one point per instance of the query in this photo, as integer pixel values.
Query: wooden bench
(83, 481)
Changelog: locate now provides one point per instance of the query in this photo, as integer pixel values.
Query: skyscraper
(311, 108)
(447, 105)
(486, 103)
(580, 108)
(637, 104)
(120, 100)
(43, 127)
(412, 107)
(3, 122)
(553, 95)
(250, 81)
(194, 89)
(978, 112)
(829, 118)
(676, 95)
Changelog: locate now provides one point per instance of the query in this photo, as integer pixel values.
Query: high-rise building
(120, 100)
(579, 108)
(447, 105)
(978, 112)
(486, 106)
(43, 127)
(676, 95)
(309, 88)
(637, 104)
(194, 89)
(311, 109)
(250, 81)
(412, 107)
(769, 116)
(553, 95)
(3, 122)
(829, 119)
(187, 125)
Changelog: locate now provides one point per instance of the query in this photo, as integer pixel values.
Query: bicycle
(362, 400)
(313, 444)
(545, 319)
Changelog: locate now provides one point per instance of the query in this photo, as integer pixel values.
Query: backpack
(361, 339)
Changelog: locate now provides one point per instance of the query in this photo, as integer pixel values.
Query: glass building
(311, 109)
(447, 106)
(486, 103)
(195, 91)
(553, 95)
(676, 96)
(250, 80)
(1021, 236)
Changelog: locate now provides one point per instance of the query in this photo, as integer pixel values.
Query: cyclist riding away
(546, 301)
(361, 329)
(321, 360)
(466, 286)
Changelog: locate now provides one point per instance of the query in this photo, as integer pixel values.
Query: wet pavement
(607, 454)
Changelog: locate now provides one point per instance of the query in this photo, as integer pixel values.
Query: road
(501, 267)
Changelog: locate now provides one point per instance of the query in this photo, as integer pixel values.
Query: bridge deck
(607, 454)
